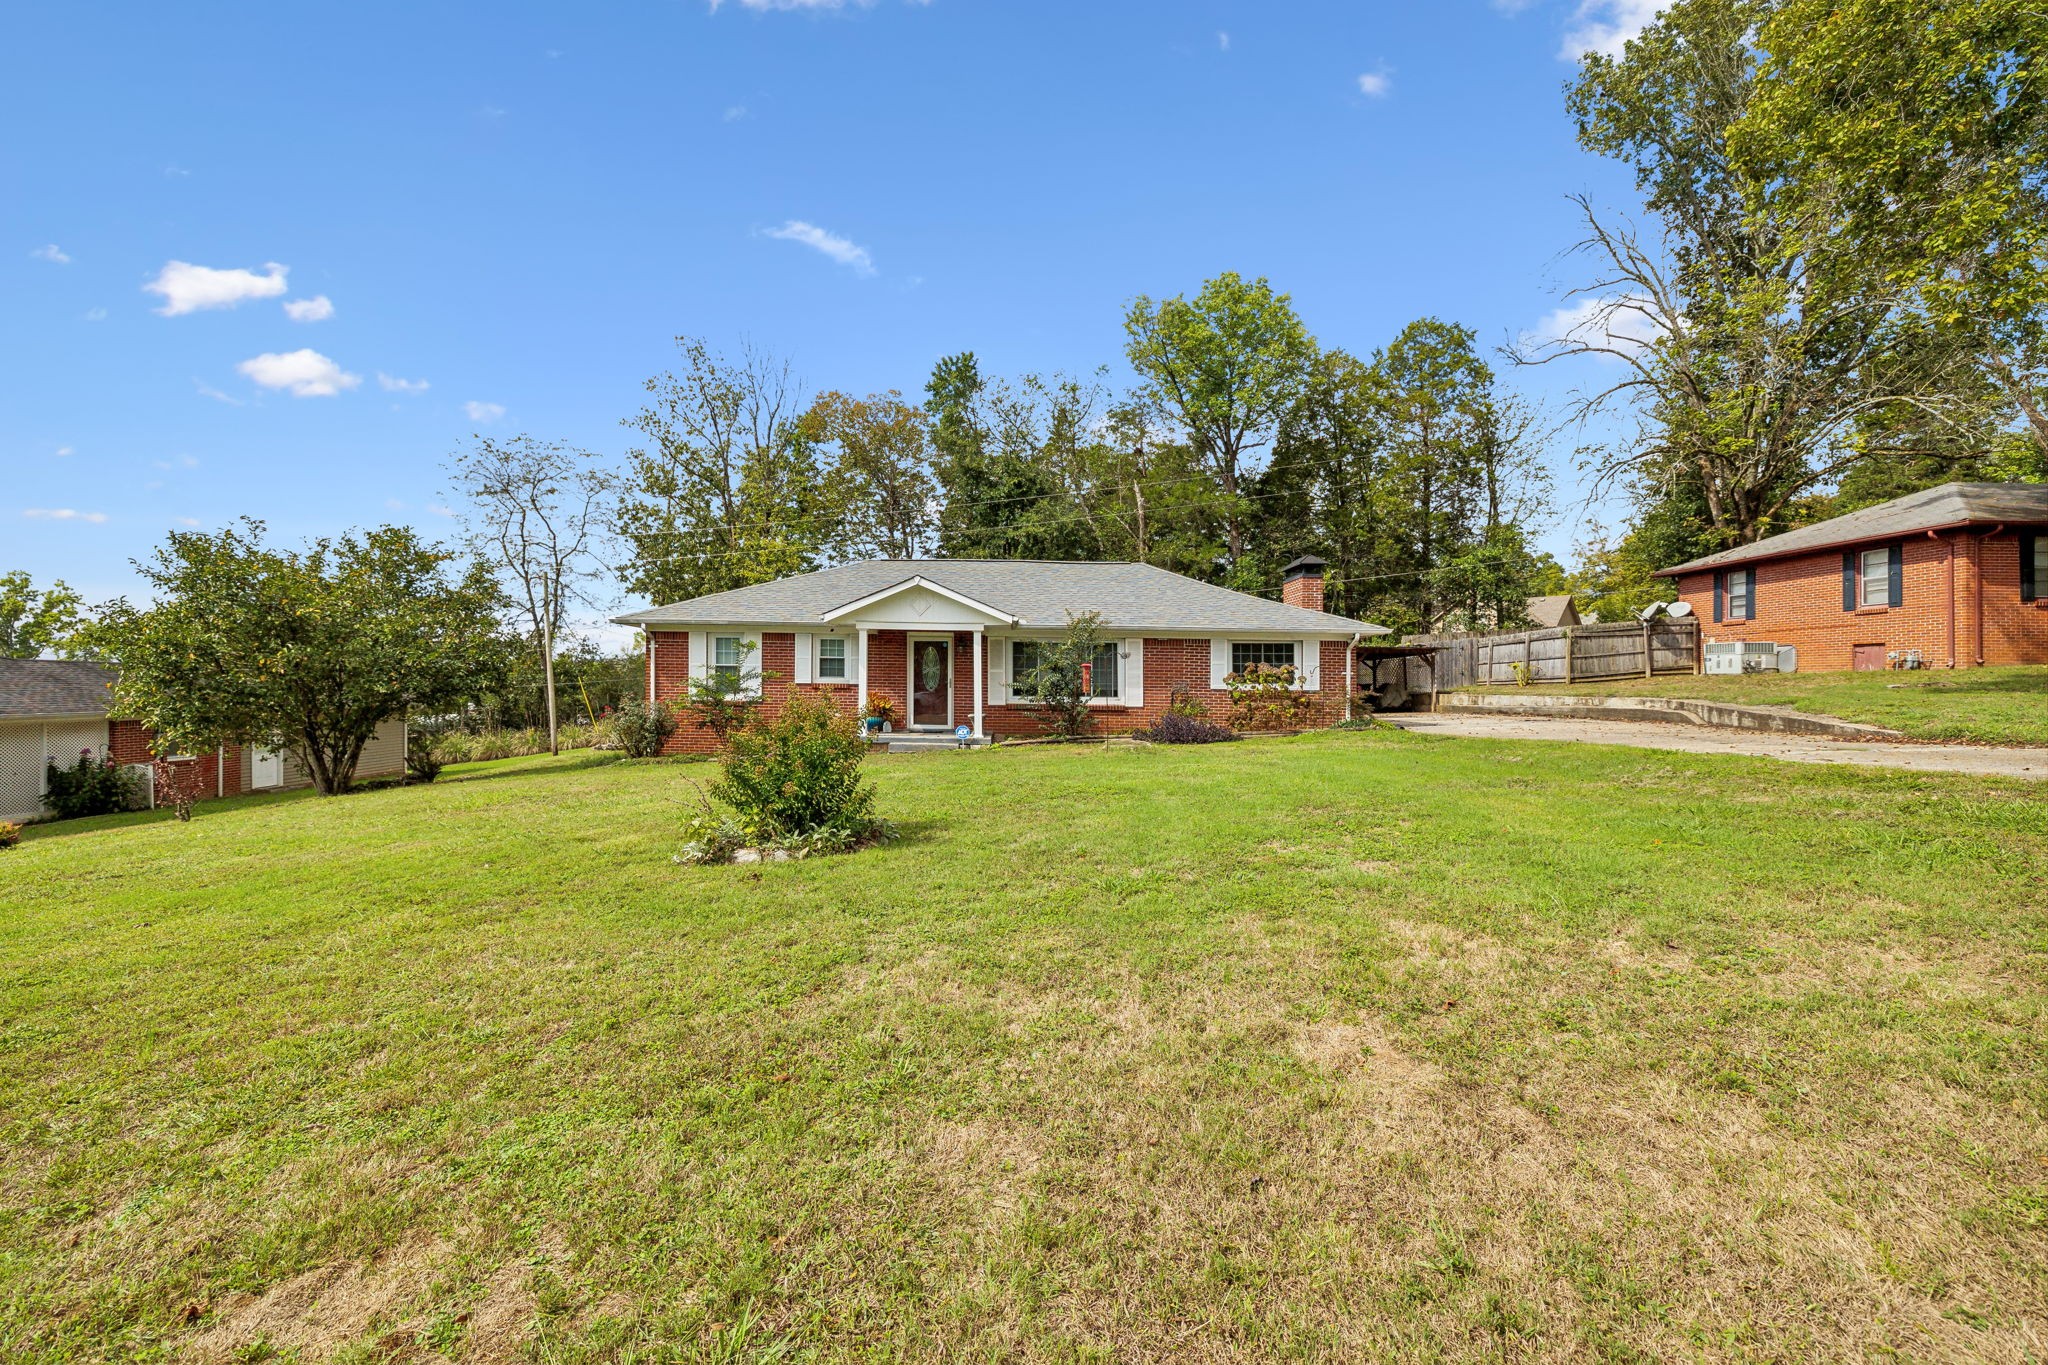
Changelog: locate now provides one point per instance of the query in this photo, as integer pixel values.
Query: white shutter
(999, 671)
(750, 660)
(1219, 661)
(805, 665)
(1308, 655)
(700, 649)
(1134, 672)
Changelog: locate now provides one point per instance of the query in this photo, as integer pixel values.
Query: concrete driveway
(1982, 760)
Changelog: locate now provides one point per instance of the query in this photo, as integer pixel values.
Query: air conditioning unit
(1730, 658)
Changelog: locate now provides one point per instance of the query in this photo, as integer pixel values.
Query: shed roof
(1557, 610)
(32, 688)
(1951, 505)
(1036, 593)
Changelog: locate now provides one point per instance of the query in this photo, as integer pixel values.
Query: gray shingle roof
(1931, 509)
(53, 687)
(1039, 593)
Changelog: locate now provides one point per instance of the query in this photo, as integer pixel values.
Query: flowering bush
(10, 834)
(90, 787)
(882, 707)
(797, 773)
(1176, 728)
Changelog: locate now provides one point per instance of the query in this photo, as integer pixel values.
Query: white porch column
(980, 678)
(861, 702)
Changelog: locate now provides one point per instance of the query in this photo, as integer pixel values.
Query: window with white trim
(1274, 653)
(1105, 681)
(831, 658)
(1741, 603)
(725, 656)
(1876, 578)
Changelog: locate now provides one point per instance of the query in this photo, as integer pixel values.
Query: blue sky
(402, 224)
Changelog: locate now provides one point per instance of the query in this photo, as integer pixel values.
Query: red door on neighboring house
(1869, 658)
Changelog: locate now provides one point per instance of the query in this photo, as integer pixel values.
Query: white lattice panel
(21, 770)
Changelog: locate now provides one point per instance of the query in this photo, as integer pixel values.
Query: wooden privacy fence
(1601, 652)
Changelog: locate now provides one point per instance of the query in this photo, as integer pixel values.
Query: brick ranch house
(943, 638)
(1956, 573)
(56, 708)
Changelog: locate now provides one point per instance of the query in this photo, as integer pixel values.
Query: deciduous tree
(308, 651)
(35, 621)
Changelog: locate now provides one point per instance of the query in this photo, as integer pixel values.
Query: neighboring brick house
(1957, 575)
(52, 709)
(943, 638)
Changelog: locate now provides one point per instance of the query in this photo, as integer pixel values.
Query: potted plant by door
(881, 713)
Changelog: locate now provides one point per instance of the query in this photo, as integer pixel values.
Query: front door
(931, 683)
(1869, 658)
(266, 769)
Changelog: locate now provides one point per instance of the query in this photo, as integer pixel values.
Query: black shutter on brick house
(1720, 590)
(1848, 580)
(1897, 555)
(2029, 590)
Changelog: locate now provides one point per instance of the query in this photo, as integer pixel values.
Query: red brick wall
(1169, 663)
(1799, 603)
(131, 741)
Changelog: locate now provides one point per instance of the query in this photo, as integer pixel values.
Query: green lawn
(1980, 705)
(1351, 1047)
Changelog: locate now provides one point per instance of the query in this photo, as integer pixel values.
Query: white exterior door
(266, 768)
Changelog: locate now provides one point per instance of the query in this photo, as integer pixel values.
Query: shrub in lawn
(10, 834)
(1175, 728)
(1263, 697)
(423, 745)
(1062, 682)
(797, 773)
(91, 786)
(641, 728)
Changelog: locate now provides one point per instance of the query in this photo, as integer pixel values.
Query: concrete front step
(918, 743)
(1775, 720)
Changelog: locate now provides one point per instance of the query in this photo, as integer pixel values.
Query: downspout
(1980, 589)
(220, 773)
(1951, 595)
(1350, 672)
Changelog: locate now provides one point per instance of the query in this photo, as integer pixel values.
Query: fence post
(1568, 639)
(1649, 652)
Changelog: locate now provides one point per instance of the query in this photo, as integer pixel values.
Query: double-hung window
(1272, 653)
(831, 658)
(1741, 595)
(1104, 681)
(725, 657)
(1875, 578)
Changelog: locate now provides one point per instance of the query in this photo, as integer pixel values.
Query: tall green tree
(1003, 457)
(1915, 133)
(882, 468)
(308, 651)
(1747, 350)
(1226, 364)
(728, 488)
(35, 621)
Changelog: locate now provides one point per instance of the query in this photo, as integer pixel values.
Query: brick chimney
(1303, 584)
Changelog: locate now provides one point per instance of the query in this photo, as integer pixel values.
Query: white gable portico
(931, 616)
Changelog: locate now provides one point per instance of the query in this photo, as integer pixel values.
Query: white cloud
(182, 462)
(305, 373)
(733, 113)
(319, 308)
(62, 451)
(95, 315)
(483, 412)
(188, 521)
(829, 243)
(1605, 26)
(393, 505)
(391, 383)
(1377, 84)
(1222, 41)
(51, 253)
(1619, 321)
(62, 514)
(207, 390)
(176, 172)
(187, 288)
(438, 510)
